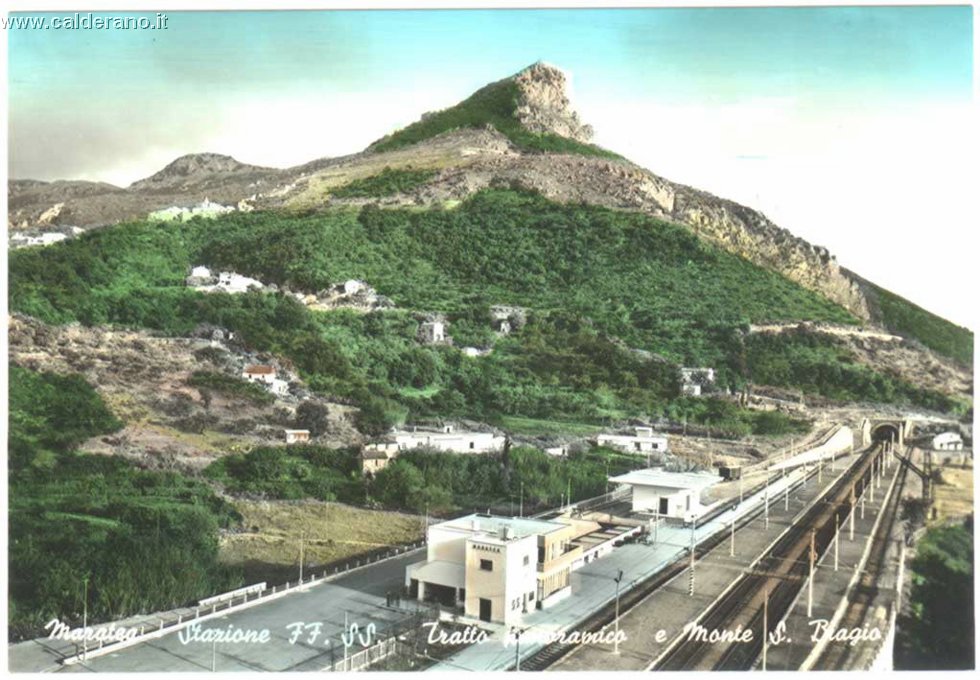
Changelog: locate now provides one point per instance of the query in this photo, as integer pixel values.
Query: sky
(853, 127)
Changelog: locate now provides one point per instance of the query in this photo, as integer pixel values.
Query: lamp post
(517, 632)
(618, 578)
(813, 560)
(301, 539)
(765, 628)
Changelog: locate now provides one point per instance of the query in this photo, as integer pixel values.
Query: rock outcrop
(544, 107)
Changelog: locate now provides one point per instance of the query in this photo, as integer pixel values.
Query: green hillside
(144, 540)
(598, 284)
(493, 105)
(905, 318)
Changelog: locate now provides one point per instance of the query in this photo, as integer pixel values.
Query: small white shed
(669, 494)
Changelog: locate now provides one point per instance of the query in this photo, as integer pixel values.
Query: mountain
(517, 132)
(573, 286)
(196, 170)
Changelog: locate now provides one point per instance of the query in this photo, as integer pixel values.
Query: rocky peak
(543, 106)
(193, 167)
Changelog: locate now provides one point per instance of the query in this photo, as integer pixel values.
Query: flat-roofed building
(669, 494)
(499, 568)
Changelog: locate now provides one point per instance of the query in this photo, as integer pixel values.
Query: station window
(486, 565)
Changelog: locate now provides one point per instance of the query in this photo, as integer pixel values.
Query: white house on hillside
(266, 376)
(947, 441)
(643, 441)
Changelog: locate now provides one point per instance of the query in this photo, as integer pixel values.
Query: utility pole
(813, 559)
(836, 540)
(85, 618)
(616, 639)
(741, 494)
(765, 628)
(863, 496)
(731, 550)
(820, 470)
(767, 499)
(656, 526)
(853, 509)
(787, 490)
(806, 473)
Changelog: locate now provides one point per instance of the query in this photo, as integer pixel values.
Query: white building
(449, 440)
(433, 333)
(669, 494)
(947, 441)
(644, 441)
(266, 376)
(693, 380)
(297, 436)
(500, 568)
(231, 282)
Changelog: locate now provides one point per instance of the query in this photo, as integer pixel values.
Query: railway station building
(497, 569)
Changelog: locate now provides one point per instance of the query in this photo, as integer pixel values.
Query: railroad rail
(604, 616)
(775, 582)
(862, 596)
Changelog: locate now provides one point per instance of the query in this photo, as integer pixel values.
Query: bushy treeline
(144, 540)
(821, 364)
(420, 480)
(291, 473)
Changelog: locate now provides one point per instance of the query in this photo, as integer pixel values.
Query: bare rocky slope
(143, 378)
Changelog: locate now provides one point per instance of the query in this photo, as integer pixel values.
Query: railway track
(862, 597)
(553, 652)
(778, 577)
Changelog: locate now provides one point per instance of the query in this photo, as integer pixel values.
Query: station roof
(495, 524)
(669, 480)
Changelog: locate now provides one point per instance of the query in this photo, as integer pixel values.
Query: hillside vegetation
(145, 541)
(901, 316)
(599, 284)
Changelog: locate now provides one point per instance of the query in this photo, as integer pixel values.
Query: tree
(313, 416)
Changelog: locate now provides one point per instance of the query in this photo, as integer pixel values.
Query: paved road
(358, 595)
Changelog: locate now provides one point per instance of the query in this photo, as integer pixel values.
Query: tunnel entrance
(885, 432)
